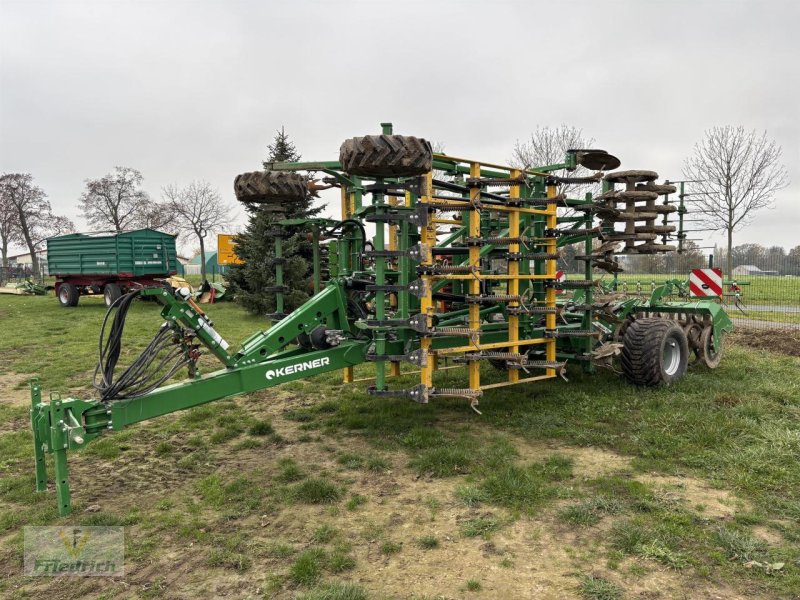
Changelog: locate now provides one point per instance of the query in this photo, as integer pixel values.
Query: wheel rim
(671, 356)
(62, 295)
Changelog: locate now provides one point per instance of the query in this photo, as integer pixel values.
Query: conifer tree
(256, 247)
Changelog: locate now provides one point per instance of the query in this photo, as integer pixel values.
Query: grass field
(590, 489)
(756, 290)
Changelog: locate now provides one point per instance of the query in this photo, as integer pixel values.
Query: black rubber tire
(68, 295)
(111, 292)
(706, 352)
(266, 187)
(643, 349)
(386, 155)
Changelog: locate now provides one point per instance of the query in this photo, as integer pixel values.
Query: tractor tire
(386, 155)
(654, 352)
(68, 295)
(706, 352)
(111, 293)
(265, 187)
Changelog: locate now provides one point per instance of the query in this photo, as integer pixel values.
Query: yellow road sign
(226, 255)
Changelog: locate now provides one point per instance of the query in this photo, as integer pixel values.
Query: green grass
(63, 352)
(335, 590)
(289, 471)
(481, 527)
(316, 491)
(473, 585)
(389, 547)
(762, 289)
(735, 428)
(598, 588)
(428, 542)
(307, 568)
(591, 511)
(261, 428)
(325, 533)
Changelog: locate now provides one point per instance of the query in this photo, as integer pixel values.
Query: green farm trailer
(109, 263)
(461, 272)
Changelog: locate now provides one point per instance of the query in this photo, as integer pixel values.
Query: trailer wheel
(68, 295)
(654, 352)
(706, 351)
(266, 187)
(389, 155)
(110, 293)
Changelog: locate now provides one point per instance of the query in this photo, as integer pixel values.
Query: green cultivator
(436, 261)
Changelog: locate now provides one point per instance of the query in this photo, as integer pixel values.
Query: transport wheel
(266, 187)
(389, 155)
(68, 295)
(110, 293)
(654, 352)
(706, 351)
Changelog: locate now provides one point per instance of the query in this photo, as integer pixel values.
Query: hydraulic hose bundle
(159, 361)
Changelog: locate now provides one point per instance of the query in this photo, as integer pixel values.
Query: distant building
(751, 270)
(25, 259)
(212, 268)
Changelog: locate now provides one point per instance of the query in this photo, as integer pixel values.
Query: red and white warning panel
(705, 282)
(561, 277)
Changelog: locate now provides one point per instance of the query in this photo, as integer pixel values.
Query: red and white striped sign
(705, 282)
(561, 276)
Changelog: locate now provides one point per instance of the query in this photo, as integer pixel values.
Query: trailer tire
(111, 292)
(68, 295)
(264, 187)
(386, 155)
(654, 352)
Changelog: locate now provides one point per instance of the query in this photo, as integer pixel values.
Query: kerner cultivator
(436, 260)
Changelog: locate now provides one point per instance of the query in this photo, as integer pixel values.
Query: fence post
(710, 261)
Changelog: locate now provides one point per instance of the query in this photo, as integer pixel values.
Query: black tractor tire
(266, 187)
(68, 295)
(707, 353)
(654, 352)
(386, 155)
(111, 292)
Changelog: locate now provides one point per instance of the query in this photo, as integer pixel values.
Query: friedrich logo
(74, 544)
(82, 551)
(298, 367)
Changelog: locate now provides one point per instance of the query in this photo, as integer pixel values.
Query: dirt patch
(537, 556)
(769, 535)
(774, 340)
(589, 462)
(711, 502)
(11, 391)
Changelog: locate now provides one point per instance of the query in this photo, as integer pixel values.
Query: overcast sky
(195, 89)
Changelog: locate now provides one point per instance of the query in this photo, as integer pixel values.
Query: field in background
(589, 489)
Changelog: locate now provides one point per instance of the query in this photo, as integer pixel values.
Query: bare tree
(738, 172)
(548, 146)
(116, 200)
(198, 210)
(31, 211)
(156, 215)
(9, 232)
